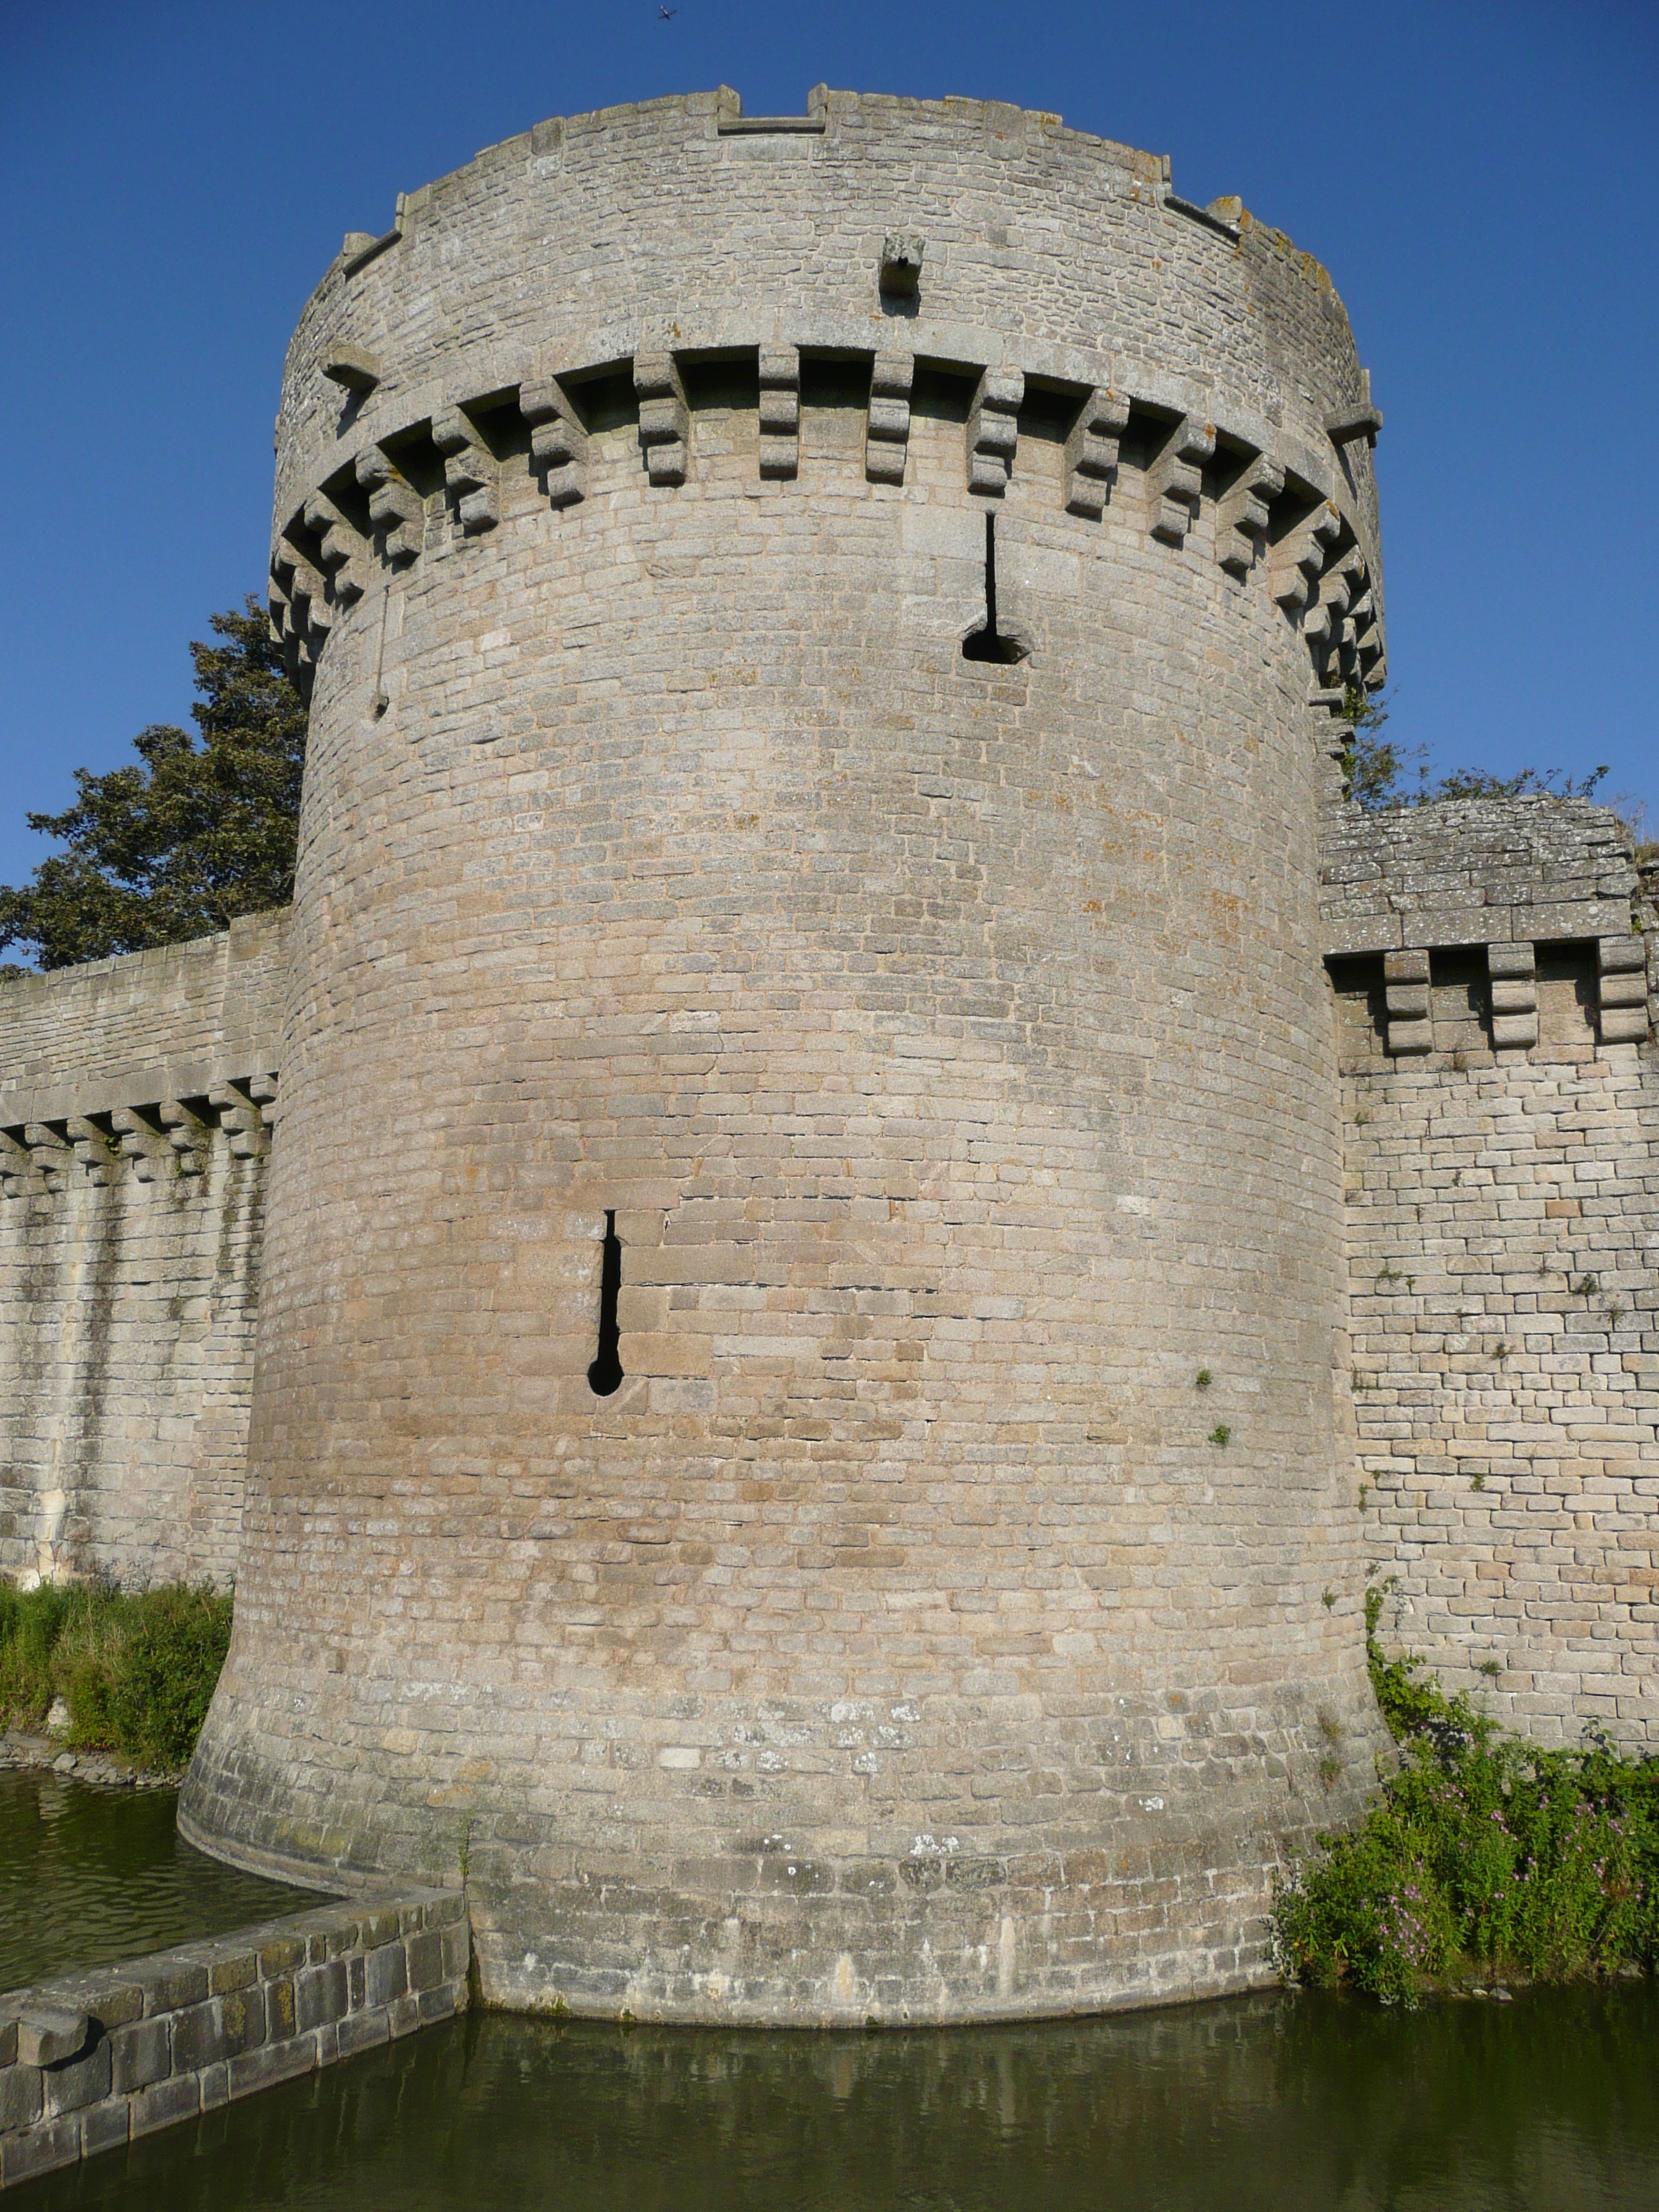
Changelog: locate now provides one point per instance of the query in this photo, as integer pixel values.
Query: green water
(1284, 2103)
(1279, 2103)
(88, 1875)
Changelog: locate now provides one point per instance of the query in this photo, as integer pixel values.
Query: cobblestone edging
(50, 1754)
(94, 2060)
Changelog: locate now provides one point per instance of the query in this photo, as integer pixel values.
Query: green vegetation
(135, 1668)
(193, 835)
(1485, 1858)
(1376, 773)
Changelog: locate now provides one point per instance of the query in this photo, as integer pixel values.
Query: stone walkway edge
(93, 2060)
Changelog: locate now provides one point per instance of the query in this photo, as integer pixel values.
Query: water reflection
(88, 1875)
(1281, 2102)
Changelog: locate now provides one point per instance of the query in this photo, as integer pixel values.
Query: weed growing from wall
(1484, 1856)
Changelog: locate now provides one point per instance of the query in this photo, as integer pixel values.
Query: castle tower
(796, 1435)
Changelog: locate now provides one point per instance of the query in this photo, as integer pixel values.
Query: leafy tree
(193, 834)
(1374, 771)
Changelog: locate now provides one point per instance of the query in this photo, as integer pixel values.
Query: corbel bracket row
(1512, 973)
(1264, 513)
(158, 1141)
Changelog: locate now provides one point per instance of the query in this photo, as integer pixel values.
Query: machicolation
(830, 976)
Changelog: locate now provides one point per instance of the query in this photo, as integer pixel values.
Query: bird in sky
(667, 15)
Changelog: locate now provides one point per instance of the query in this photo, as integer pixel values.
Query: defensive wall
(134, 1096)
(1493, 971)
(827, 1433)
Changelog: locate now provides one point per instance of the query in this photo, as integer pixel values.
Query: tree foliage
(179, 843)
(1377, 773)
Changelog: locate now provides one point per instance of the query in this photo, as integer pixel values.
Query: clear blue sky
(1478, 177)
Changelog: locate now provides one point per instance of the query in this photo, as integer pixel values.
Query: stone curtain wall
(1502, 1203)
(134, 1098)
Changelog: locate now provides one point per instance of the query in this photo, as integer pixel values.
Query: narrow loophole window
(605, 1374)
(989, 643)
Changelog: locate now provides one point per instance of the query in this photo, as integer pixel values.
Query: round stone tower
(798, 1430)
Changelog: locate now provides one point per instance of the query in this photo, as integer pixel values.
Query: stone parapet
(93, 2060)
(1474, 872)
(1493, 899)
(170, 1023)
(481, 339)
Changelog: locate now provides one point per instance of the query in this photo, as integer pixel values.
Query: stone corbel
(994, 430)
(1175, 482)
(1091, 453)
(900, 268)
(1359, 419)
(188, 1136)
(51, 1154)
(1621, 969)
(91, 1147)
(472, 474)
(301, 615)
(780, 412)
(394, 504)
(137, 1141)
(558, 443)
(1406, 982)
(887, 433)
(241, 1121)
(1299, 558)
(340, 548)
(19, 1176)
(1241, 517)
(1513, 970)
(314, 616)
(665, 417)
(262, 1090)
(1326, 626)
(352, 366)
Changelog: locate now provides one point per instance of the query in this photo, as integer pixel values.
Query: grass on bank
(1484, 1858)
(137, 1668)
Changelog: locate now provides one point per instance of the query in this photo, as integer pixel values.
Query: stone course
(93, 2060)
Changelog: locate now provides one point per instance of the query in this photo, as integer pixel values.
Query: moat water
(1276, 2103)
(1281, 2103)
(88, 1875)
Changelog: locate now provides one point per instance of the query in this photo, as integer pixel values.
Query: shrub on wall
(1486, 1858)
(135, 1668)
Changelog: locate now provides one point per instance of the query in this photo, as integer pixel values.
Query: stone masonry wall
(1501, 1127)
(932, 1040)
(94, 2061)
(134, 1096)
